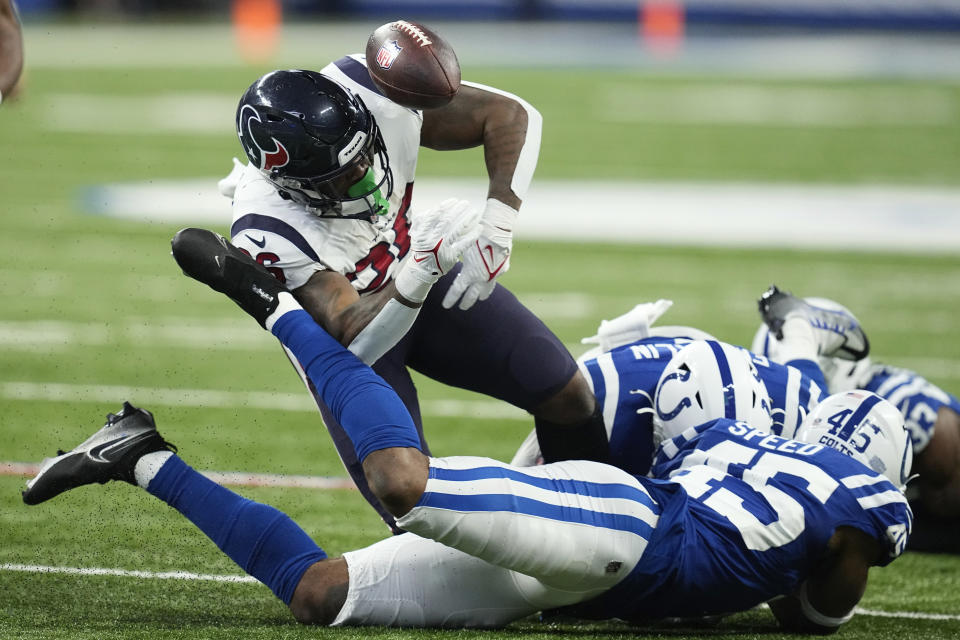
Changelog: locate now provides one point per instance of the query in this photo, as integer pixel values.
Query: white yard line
(196, 114)
(912, 615)
(232, 478)
(125, 573)
(206, 577)
(182, 333)
(210, 398)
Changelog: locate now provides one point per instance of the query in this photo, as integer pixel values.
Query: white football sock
(149, 465)
(799, 341)
(285, 303)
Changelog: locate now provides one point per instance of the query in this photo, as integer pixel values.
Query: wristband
(499, 215)
(413, 283)
(815, 616)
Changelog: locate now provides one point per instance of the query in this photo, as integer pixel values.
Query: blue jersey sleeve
(624, 380)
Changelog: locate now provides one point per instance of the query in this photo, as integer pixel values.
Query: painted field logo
(388, 53)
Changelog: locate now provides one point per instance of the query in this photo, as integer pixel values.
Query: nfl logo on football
(388, 54)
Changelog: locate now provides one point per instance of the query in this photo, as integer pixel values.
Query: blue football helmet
(317, 142)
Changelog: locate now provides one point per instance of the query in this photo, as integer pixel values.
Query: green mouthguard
(365, 185)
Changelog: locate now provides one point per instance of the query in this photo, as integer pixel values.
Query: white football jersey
(294, 243)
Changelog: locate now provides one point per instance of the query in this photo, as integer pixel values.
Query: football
(412, 65)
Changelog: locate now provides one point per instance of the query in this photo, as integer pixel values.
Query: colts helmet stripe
(861, 412)
(726, 381)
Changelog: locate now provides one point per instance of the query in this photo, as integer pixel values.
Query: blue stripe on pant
(572, 525)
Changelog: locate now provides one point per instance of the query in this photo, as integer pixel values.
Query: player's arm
(336, 306)
(507, 127)
(827, 598)
(938, 465)
(11, 48)
(370, 325)
(509, 130)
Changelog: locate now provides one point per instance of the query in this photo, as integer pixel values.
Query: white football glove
(632, 326)
(487, 259)
(437, 239)
(228, 185)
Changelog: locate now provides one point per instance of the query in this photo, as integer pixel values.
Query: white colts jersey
(294, 243)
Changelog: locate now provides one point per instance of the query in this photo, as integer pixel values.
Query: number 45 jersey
(746, 517)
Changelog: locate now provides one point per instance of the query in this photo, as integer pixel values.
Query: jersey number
(733, 500)
(266, 259)
(383, 254)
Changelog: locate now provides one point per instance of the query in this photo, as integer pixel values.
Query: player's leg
(513, 356)
(414, 582)
(596, 518)
(599, 517)
(806, 331)
(375, 420)
(938, 468)
(577, 526)
(379, 426)
(411, 581)
(392, 369)
(263, 541)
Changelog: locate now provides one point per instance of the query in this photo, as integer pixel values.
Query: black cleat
(208, 257)
(109, 454)
(838, 333)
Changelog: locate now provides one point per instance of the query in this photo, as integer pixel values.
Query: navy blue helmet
(317, 142)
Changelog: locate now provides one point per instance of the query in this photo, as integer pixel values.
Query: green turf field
(96, 312)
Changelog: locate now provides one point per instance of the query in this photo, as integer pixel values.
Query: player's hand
(438, 238)
(486, 260)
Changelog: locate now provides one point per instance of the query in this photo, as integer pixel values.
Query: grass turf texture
(129, 318)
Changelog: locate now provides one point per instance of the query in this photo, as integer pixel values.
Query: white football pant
(515, 540)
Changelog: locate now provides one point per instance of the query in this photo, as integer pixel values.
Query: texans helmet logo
(276, 158)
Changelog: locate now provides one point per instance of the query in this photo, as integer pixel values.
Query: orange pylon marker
(256, 25)
(662, 25)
